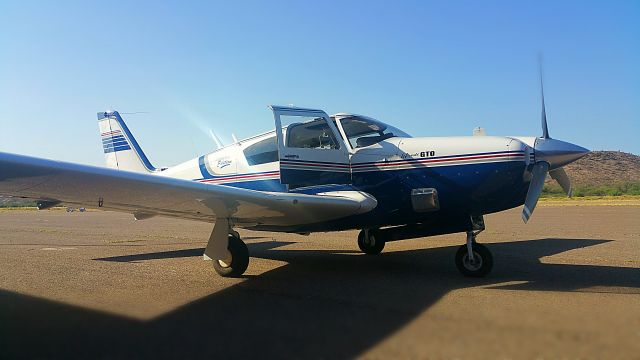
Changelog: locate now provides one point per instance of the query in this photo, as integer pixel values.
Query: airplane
(312, 173)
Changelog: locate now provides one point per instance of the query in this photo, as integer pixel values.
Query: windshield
(363, 131)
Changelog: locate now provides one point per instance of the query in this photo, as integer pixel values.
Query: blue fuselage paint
(463, 190)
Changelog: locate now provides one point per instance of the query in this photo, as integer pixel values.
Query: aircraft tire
(375, 244)
(481, 253)
(239, 259)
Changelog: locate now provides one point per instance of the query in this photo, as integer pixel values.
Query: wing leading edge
(147, 195)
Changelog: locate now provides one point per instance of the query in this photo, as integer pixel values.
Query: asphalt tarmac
(101, 285)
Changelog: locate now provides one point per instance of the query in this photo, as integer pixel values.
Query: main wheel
(373, 244)
(482, 264)
(239, 261)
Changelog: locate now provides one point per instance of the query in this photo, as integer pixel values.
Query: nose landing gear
(473, 259)
(371, 241)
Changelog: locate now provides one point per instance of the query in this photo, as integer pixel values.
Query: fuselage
(473, 175)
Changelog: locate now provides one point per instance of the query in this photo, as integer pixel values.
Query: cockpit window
(262, 152)
(363, 131)
(315, 134)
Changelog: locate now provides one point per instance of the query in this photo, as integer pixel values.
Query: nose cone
(558, 153)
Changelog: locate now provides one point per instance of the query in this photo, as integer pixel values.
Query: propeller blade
(545, 130)
(563, 180)
(539, 173)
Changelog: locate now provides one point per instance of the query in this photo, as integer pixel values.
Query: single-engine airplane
(312, 173)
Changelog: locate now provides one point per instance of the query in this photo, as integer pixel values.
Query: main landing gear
(473, 259)
(237, 263)
(229, 254)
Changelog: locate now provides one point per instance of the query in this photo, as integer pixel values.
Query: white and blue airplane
(313, 173)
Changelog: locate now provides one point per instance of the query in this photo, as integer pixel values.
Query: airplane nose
(557, 152)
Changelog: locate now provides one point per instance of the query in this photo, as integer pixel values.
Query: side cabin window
(315, 134)
(262, 152)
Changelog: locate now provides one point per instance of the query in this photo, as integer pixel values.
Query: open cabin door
(310, 148)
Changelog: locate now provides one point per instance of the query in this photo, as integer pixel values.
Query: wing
(147, 195)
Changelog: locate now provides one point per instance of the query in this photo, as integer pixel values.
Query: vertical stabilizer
(121, 150)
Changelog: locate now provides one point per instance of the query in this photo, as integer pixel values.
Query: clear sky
(430, 68)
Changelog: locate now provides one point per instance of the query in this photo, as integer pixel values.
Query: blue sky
(430, 68)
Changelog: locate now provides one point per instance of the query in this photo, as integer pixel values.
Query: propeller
(539, 173)
(550, 155)
(561, 177)
(545, 130)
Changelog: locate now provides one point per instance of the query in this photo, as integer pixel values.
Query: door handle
(292, 156)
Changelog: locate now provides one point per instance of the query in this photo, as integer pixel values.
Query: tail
(121, 150)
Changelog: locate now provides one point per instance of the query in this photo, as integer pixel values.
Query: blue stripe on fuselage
(203, 168)
(409, 160)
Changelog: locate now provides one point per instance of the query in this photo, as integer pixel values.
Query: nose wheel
(473, 259)
(370, 241)
(238, 261)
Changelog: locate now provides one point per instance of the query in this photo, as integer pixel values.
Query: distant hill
(605, 167)
(602, 173)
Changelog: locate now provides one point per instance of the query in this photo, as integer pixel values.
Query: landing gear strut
(473, 259)
(371, 241)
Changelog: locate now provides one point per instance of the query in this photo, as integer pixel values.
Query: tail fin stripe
(116, 149)
(114, 140)
(112, 137)
(119, 147)
(115, 145)
(108, 133)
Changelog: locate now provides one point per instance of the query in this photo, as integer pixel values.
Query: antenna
(235, 139)
(215, 138)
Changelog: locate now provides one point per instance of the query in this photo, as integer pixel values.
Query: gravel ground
(100, 285)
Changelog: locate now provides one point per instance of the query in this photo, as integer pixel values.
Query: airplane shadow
(254, 248)
(322, 304)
